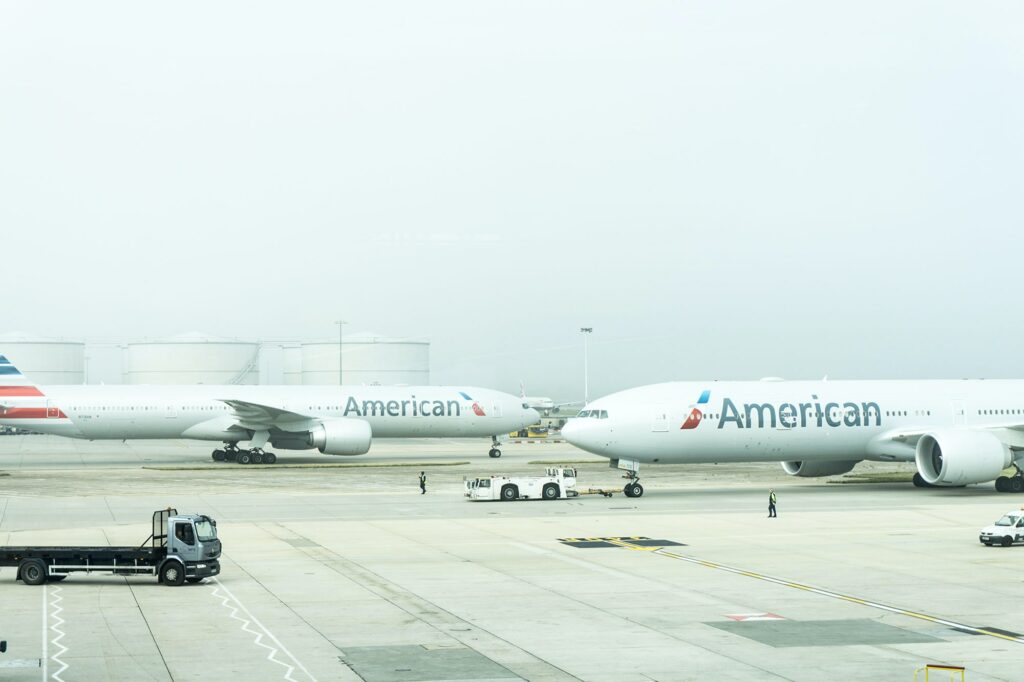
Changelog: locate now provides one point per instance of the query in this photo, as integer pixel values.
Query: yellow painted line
(661, 551)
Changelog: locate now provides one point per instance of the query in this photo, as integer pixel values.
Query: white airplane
(957, 432)
(336, 420)
(543, 404)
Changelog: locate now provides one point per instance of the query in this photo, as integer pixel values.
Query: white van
(1005, 531)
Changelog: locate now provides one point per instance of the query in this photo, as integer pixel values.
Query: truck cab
(192, 538)
(1006, 531)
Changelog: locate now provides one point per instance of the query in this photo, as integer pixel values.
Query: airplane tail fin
(13, 383)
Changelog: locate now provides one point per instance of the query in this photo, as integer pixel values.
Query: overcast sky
(720, 189)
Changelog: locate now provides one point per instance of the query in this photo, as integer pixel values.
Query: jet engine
(341, 437)
(809, 469)
(958, 457)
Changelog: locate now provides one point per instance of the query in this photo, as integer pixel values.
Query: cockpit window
(583, 413)
(604, 414)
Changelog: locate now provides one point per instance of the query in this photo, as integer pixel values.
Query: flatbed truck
(182, 547)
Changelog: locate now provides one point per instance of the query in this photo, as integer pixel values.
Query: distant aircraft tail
(15, 384)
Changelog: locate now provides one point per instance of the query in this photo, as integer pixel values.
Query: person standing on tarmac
(423, 483)
(771, 504)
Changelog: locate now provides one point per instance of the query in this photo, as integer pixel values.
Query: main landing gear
(494, 451)
(1011, 484)
(231, 453)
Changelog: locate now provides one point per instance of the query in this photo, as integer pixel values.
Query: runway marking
(57, 628)
(991, 632)
(226, 596)
(45, 660)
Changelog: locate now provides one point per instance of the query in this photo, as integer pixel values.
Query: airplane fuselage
(788, 420)
(199, 412)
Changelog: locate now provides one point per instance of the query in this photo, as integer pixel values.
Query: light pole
(341, 325)
(586, 331)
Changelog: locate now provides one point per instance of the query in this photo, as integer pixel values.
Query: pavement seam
(385, 585)
(226, 596)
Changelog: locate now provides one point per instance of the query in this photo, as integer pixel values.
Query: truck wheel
(172, 573)
(551, 491)
(33, 572)
(1006, 541)
(509, 493)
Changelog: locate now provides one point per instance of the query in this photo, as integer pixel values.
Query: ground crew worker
(423, 483)
(771, 504)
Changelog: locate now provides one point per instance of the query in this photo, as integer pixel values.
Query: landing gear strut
(633, 487)
(1011, 484)
(494, 451)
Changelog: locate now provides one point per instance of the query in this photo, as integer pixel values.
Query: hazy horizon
(721, 190)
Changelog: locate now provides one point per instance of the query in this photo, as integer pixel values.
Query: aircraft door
(171, 411)
(496, 410)
(958, 411)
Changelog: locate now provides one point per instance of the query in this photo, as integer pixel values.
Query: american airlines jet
(336, 420)
(956, 432)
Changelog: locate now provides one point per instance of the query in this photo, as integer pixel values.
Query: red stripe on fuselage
(32, 413)
(20, 391)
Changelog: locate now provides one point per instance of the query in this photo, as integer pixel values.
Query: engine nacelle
(959, 457)
(341, 437)
(809, 469)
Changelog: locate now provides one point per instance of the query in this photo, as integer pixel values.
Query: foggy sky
(721, 189)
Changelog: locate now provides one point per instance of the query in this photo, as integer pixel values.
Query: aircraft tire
(219, 456)
(257, 458)
(1003, 484)
(270, 458)
(638, 490)
(243, 458)
(918, 481)
(1015, 485)
(494, 452)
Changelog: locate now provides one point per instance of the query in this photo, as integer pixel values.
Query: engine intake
(342, 437)
(959, 457)
(811, 469)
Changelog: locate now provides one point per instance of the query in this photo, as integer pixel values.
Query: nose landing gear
(633, 487)
(494, 451)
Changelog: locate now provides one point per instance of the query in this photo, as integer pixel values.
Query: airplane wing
(265, 417)
(902, 444)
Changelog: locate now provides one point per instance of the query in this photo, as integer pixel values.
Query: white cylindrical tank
(45, 361)
(192, 359)
(367, 359)
(293, 365)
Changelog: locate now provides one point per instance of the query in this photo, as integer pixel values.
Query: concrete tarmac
(349, 573)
